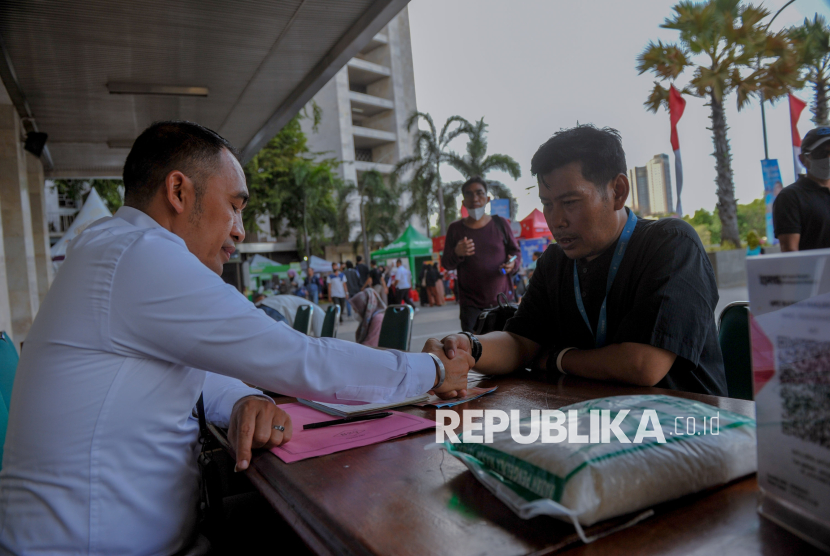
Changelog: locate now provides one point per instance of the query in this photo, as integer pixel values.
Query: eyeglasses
(480, 193)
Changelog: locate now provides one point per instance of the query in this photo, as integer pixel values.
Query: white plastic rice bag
(594, 480)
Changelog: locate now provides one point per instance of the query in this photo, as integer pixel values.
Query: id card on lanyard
(602, 323)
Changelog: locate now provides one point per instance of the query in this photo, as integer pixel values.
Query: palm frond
(504, 163)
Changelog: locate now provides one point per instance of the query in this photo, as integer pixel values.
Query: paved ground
(437, 322)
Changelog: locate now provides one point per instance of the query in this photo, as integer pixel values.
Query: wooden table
(395, 498)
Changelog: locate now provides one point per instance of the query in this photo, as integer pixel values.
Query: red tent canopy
(534, 226)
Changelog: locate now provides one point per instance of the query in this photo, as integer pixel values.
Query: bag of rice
(620, 455)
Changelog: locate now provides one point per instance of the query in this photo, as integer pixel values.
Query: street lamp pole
(761, 94)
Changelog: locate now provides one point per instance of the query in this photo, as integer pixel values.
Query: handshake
(454, 351)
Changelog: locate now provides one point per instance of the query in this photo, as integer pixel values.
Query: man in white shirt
(101, 447)
(403, 283)
(336, 282)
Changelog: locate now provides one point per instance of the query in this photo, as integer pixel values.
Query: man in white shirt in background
(336, 282)
(403, 283)
(101, 448)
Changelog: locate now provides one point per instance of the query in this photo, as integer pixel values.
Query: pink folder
(336, 438)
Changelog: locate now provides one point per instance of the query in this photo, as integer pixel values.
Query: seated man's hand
(253, 424)
(454, 343)
(455, 381)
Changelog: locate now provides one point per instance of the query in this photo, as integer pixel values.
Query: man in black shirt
(375, 281)
(801, 212)
(362, 270)
(616, 298)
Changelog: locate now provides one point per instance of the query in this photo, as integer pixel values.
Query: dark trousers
(342, 302)
(469, 316)
(403, 297)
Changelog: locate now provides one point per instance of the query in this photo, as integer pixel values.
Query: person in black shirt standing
(375, 281)
(362, 269)
(801, 212)
(616, 298)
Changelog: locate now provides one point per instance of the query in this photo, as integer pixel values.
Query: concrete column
(18, 243)
(40, 224)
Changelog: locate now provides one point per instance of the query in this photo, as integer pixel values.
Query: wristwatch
(442, 373)
(475, 346)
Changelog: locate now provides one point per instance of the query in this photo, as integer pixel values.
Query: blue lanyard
(602, 324)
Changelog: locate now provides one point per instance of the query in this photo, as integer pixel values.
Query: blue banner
(530, 246)
(500, 207)
(772, 185)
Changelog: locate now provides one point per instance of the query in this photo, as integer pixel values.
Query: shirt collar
(810, 182)
(142, 220)
(137, 218)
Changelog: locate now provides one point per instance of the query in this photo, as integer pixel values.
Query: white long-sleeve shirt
(101, 447)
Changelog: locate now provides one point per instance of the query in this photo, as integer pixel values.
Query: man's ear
(620, 189)
(803, 160)
(178, 191)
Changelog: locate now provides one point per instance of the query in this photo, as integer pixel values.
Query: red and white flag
(676, 106)
(796, 107)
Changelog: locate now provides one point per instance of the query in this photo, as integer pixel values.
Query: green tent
(412, 247)
(262, 268)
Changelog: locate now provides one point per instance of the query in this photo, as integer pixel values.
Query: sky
(532, 67)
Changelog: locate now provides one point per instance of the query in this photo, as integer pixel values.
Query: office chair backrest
(8, 368)
(396, 330)
(302, 320)
(330, 322)
(733, 337)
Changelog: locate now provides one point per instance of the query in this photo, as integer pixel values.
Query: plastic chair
(302, 320)
(8, 368)
(396, 330)
(733, 337)
(330, 322)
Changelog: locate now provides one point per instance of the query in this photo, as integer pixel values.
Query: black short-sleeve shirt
(664, 295)
(803, 208)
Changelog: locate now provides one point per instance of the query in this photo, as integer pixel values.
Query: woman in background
(369, 308)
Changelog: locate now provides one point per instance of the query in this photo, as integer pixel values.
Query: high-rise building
(651, 190)
(659, 184)
(638, 198)
(365, 107)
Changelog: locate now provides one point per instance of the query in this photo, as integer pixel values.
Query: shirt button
(584, 294)
(585, 270)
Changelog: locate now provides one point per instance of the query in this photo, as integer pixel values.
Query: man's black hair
(471, 181)
(167, 146)
(373, 262)
(349, 264)
(599, 150)
(359, 259)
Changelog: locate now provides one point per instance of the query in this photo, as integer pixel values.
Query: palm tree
(431, 150)
(379, 210)
(477, 163)
(310, 201)
(812, 43)
(728, 39)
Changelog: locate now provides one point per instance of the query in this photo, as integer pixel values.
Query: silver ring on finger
(279, 428)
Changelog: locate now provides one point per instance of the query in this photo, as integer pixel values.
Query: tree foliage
(431, 150)
(477, 163)
(298, 192)
(812, 44)
(751, 216)
(381, 207)
(111, 191)
(729, 50)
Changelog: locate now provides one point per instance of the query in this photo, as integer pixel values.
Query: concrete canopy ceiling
(261, 62)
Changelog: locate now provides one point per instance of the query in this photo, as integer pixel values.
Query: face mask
(478, 213)
(820, 169)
